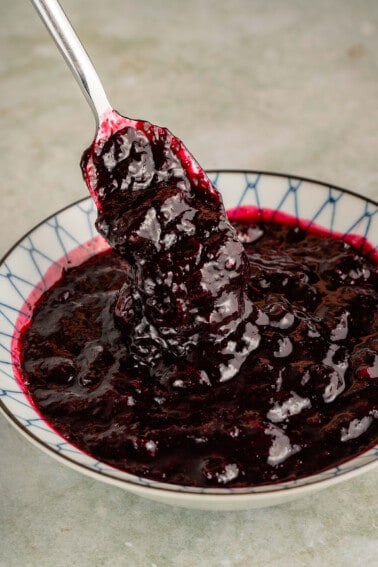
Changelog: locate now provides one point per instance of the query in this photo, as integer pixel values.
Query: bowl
(31, 265)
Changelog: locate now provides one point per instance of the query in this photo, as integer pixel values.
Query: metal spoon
(75, 55)
(108, 121)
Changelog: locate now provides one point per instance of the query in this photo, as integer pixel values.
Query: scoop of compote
(187, 271)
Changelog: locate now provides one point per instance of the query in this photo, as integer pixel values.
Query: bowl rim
(134, 482)
(257, 492)
(208, 172)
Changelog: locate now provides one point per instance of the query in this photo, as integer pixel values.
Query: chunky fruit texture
(185, 289)
(200, 352)
(304, 399)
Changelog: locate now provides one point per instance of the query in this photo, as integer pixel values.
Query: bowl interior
(34, 262)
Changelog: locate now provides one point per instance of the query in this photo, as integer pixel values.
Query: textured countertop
(288, 86)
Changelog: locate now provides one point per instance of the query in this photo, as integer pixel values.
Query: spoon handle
(75, 55)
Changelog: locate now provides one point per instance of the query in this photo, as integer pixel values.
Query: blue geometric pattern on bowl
(25, 266)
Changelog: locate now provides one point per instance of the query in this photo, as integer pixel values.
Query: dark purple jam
(201, 352)
(184, 295)
(304, 399)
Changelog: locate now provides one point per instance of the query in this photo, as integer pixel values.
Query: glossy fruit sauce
(201, 352)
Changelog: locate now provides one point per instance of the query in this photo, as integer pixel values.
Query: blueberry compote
(201, 352)
(185, 291)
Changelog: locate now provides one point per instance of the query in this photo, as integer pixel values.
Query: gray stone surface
(288, 86)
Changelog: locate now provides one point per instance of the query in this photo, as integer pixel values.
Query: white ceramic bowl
(23, 271)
